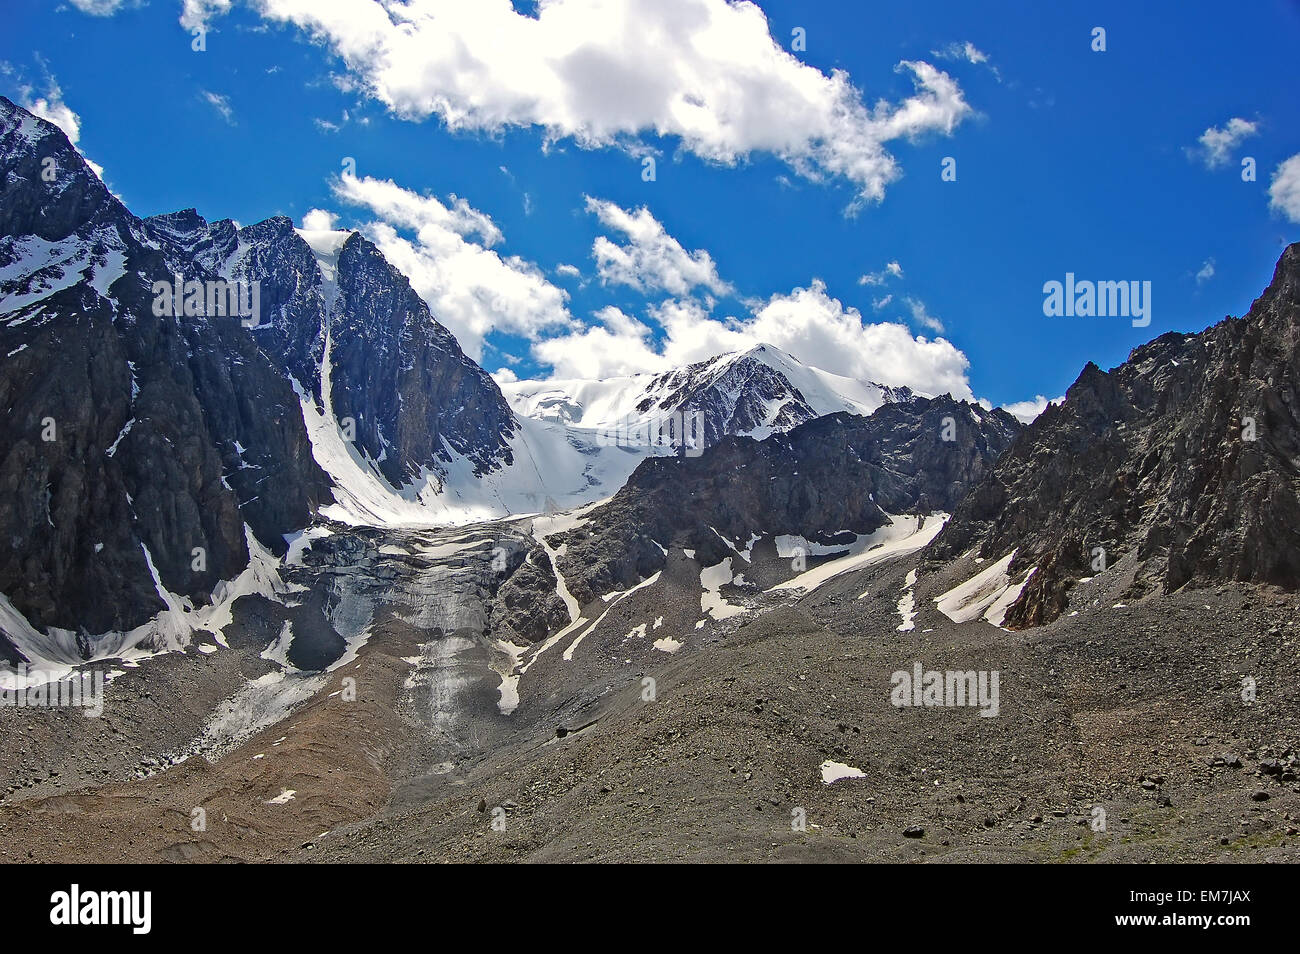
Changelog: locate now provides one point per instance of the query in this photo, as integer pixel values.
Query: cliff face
(1188, 455)
(121, 441)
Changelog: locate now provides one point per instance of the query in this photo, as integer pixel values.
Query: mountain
(346, 326)
(752, 393)
(136, 447)
(1181, 466)
(159, 447)
(822, 486)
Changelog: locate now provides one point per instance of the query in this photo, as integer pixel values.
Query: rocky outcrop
(833, 474)
(1187, 456)
(411, 398)
(527, 606)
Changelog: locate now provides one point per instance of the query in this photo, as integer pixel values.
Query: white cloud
(409, 210)
(52, 108)
(617, 345)
(880, 304)
(1217, 142)
(891, 270)
(651, 260)
(967, 52)
(98, 8)
(195, 14)
(221, 104)
(319, 220)
(470, 288)
(1284, 190)
(1026, 411)
(922, 317)
(706, 72)
(816, 328)
(567, 270)
(504, 376)
(1206, 272)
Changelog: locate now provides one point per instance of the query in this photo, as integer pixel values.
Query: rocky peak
(1185, 459)
(137, 447)
(49, 190)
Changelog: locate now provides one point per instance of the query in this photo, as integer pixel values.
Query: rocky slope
(413, 398)
(829, 479)
(1187, 456)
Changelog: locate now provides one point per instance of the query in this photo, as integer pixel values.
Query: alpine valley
(359, 602)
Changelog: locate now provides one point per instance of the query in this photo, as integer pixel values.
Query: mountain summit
(752, 393)
(1180, 466)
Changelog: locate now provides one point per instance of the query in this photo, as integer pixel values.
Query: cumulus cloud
(195, 14)
(808, 323)
(410, 210)
(319, 220)
(651, 259)
(1284, 190)
(705, 72)
(470, 288)
(1217, 142)
(617, 344)
(1026, 411)
(567, 270)
(1206, 272)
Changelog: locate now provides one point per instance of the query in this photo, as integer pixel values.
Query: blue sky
(1067, 160)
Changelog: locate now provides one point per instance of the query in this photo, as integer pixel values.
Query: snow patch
(901, 536)
(833, 772)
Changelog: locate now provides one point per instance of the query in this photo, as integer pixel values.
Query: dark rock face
(403, 378)
(123, 426)
(1156, 458)
(527, 607)
(735, 401)
(129, 430)
(120, 422)
(412, 396)
(836, 473)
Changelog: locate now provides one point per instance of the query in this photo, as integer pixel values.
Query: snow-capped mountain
(142, 452)
(751, 393)
(154, 446)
